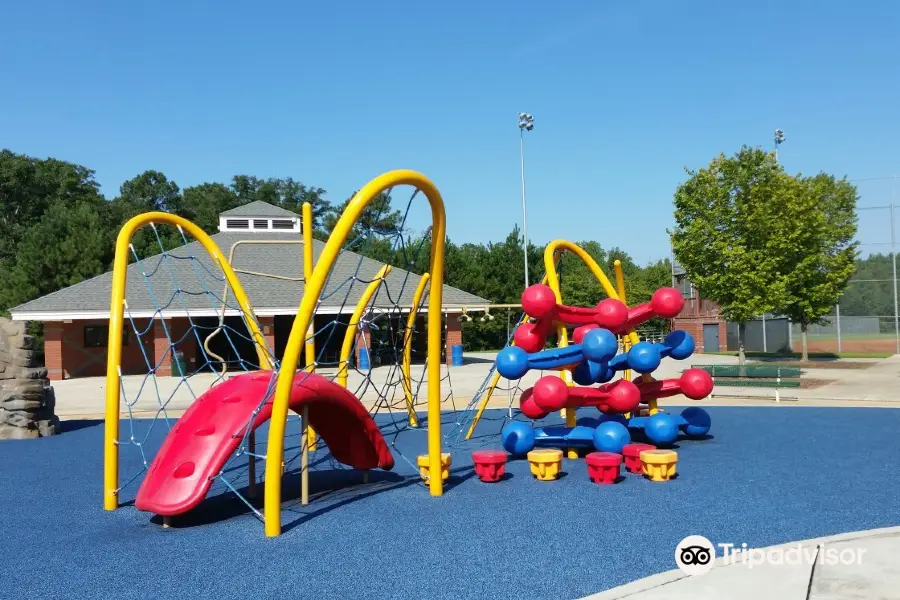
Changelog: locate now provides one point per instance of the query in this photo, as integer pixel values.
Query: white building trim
(206, 312)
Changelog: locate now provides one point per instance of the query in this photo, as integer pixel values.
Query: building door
(710, 337)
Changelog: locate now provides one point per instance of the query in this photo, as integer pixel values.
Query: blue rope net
(191, 305)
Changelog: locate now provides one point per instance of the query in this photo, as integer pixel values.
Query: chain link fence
(866, 320)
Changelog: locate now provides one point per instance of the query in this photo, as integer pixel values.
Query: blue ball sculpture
(517, 437)
(606, 374)
(644, 357)
(587, 372)
(698, 421)
(512, 362)
(599, 345)
(615, 417)
(681, 343)
(611, 436)
(661, 429)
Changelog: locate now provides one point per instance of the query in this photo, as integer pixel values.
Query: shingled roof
(258, 209)
(196, 275)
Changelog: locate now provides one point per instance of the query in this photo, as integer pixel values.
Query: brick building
(260, 240)
(699, 317)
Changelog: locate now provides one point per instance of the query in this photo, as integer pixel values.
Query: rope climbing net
(182, 323)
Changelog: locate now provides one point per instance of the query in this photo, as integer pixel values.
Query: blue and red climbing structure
(628, 408)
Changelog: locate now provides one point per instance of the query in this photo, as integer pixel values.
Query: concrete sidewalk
(873, 574)
(880, 383)
(876, 386)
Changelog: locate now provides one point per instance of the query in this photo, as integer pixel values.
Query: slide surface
(210, 431)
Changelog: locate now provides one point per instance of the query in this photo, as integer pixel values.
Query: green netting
(751, 371)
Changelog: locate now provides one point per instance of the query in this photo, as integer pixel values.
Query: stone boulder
(27, 401)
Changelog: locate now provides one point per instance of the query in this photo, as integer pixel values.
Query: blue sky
(625, 96)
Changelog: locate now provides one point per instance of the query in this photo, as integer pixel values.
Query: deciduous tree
(823, 212)
(732, 231)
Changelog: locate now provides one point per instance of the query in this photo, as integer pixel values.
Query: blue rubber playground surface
(767, 476)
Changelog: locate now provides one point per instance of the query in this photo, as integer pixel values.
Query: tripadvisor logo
(695, 555)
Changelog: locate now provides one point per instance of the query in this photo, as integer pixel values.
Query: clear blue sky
(625, 96)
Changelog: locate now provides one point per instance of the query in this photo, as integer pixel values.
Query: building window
(260, 224)
(97, 336)
(237, 224)
(283, 224)
(685, 287)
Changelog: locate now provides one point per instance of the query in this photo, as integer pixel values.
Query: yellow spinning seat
(659, 465)
(546, 463)
(446, 461)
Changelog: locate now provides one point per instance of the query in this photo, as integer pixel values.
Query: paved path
(875, 386)
(873, 573)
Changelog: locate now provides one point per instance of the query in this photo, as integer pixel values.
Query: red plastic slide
(210, 431)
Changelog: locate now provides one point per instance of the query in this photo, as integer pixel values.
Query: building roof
(259, 208)
(197, 274)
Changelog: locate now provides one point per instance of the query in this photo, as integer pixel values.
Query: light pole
(526, 123)
(779, 139)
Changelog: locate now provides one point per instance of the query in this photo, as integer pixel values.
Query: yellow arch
(407, 348)
(551, 255)
(353, 325)
(116, 317)
(314, 285)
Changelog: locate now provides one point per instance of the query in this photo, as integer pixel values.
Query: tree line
(57, 229)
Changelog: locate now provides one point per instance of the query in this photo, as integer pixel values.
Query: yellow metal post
(310, 346)
(406, 366)
(314, 285)
(304, 456)
(620, 288)
(353, 325)
(116, 318)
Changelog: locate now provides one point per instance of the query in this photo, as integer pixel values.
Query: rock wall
(27, 401)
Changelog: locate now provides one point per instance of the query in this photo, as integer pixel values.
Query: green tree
(68, 245)
(379, 217)
(28, 186)
(874, 294)
(379, 232)
(579, 286)
(293, 194)
(286, 193)
(149, 191)
(203, 203)
(732, 230)
(823, 210)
